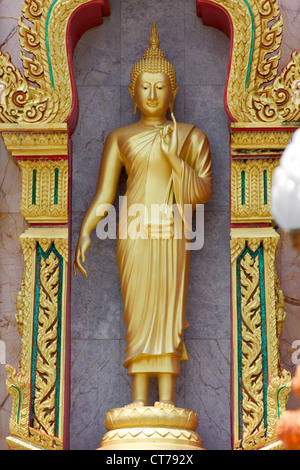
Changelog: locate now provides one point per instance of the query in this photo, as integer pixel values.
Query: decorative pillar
(264, 111)
(40, 388)
(39, 114)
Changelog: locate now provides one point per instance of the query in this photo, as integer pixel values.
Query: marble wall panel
(288, 268)
(136, 23)
(99, 114)
(9, 32)
(201, 44)
(11, 272)
(10, 195)
(93, 371)
(12, 225)
(290, 10)
(204, 108)
(208, 303)
(206, 390)
(97, 310)
(104, 42)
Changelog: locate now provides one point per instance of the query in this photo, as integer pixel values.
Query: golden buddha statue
(167, 164)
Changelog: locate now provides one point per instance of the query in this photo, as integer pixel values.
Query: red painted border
(55, 158)
(251, 225)
(262, 156)
(83, 18)
(217, 17)
(265, 128)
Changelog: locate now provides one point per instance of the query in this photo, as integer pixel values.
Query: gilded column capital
(35, 141)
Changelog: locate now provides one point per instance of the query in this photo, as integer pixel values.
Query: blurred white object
(285, 195)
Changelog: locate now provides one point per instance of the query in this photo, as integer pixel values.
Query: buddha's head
(153, 80)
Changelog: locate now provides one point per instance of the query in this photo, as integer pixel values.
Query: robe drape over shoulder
(154, 267)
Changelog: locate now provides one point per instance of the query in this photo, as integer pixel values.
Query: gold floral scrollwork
(279, 101)
(261, 387)
(41, 320)
(47, 346)
(252, 368)
(255, 91)
(21, 102)
(45, 94)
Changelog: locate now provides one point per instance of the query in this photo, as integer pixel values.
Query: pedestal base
(151, 427)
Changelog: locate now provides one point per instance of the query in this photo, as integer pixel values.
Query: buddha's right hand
(84, 242)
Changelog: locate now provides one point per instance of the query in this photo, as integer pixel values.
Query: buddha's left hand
(169, 144)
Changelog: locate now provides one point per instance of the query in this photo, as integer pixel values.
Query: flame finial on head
(154, 41)
(153, 61)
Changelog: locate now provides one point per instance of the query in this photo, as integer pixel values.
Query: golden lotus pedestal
(150, 428)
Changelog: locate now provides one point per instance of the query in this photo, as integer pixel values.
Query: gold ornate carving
(21, 102)
(45, 389)
(151, 427)
(45, 93)
(278, 394)
(44, 191)
(255, 93)
(251, 183)
(276, 102)
(257, 322)
(138, 416)
(252, 370)
(259, 142)
(51, 284)
(23, 437)
(36, 140)
(19, 389)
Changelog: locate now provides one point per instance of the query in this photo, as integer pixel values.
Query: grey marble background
(103, 60)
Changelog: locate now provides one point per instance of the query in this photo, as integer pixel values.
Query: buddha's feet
(168, 404)
(135, 403)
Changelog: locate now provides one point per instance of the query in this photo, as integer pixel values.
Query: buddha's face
(153, 94)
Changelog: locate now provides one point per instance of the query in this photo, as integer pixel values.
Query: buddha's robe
(154, 267)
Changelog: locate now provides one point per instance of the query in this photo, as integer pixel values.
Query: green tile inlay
(56, 186)
(243, 187)
(265, 187)
(33, 201)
